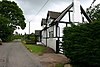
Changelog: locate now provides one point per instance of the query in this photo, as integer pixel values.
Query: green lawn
(35, 48)
(59, 65)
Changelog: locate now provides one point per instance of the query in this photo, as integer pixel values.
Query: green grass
(36, 49)
(59, 65)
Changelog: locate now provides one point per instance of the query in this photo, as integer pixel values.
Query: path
(14, 54)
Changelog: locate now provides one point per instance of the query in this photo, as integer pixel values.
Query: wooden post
(57, 46)
(69, 17)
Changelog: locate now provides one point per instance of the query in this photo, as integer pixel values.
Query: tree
(5, 30)
(11, 17)
(11, 11)
(94, 12)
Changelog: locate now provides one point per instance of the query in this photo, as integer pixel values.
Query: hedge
(82, 44)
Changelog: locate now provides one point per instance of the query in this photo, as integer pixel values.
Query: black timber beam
(64, 12)
(85, 14)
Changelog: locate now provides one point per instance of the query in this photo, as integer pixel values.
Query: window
(51, 34)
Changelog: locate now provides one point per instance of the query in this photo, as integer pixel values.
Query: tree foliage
(11, 17)
(82, 44)
(94, 12)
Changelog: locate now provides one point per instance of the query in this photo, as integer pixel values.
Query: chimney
(77, 17)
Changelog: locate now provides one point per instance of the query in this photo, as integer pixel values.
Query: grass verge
(59, 65)
(37, 49)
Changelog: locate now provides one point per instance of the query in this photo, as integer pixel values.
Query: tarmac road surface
(14, 54)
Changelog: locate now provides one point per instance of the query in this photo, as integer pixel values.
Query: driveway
(14, 54)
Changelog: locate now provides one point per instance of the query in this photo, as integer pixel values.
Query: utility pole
(29, 27)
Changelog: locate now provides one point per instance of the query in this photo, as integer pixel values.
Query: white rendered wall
(76, 11)
(62, 26)
(44, 41)
(44, 37)
(51, 42)
(54, 30)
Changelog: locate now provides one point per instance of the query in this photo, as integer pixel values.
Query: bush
(29, 38)
(18, 36)
(7, 38)
(82, 44)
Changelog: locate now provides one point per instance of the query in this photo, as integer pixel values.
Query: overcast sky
(32, 7)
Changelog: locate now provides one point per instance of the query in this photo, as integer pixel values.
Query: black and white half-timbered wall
(52, 32)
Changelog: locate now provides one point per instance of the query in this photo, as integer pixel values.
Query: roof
(43, 22)
(53, 15)
(64, 12)
(37, 32)
(67, 9)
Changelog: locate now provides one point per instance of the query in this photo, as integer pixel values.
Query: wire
(92, 3)
(42, 7)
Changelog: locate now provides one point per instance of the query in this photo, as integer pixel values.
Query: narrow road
(14, 54)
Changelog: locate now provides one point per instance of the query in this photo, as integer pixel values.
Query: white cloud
(31, 8)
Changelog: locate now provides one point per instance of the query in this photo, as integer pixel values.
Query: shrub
(82, 44)
(29, 38)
